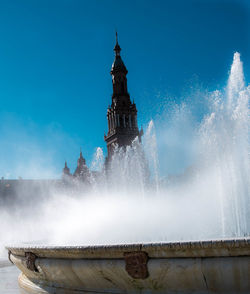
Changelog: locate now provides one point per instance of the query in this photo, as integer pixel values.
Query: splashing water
(136, 203)
(151, 152)
(98, 160)
(226, 143)
(236, 82)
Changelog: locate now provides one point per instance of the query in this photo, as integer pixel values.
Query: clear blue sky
(55, 59)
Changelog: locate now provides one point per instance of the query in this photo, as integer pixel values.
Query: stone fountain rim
(213, 247)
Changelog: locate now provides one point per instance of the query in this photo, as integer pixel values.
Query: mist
(207, 196)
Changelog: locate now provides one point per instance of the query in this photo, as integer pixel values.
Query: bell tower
(122, 114)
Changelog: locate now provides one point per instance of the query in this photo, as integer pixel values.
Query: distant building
(81, 173)
(28, 192)
(122, 130)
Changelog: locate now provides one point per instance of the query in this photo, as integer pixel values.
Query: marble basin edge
(214, 247)
(213, 266)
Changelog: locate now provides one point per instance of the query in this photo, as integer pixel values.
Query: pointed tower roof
(118, 64)
(81, 169)
(81, 160)
(66, 170)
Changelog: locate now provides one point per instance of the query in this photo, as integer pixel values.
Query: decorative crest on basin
(9, 256)
(136, 264)
(30, 261)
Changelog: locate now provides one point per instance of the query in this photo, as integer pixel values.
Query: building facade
(81, 172)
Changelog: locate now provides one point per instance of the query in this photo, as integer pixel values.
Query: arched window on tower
(133, 121)
(127, 121)
(121, 121)
(118, 120)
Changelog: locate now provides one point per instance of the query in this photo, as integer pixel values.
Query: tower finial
(117, 48)
(116, 37)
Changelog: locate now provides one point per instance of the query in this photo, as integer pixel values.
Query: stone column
(109, 124)
(118, 120)
(124, 123)
(112, 120)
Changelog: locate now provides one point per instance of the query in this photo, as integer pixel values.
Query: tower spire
(66, 170)
(117, 48)
(81, 169)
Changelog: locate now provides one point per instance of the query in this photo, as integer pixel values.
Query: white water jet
(98, 160)
(236, 82)
(150, 147)
(226, 143)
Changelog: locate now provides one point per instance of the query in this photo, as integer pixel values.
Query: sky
(55, 61)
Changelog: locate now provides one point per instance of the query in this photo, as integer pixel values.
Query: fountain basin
(218, 266)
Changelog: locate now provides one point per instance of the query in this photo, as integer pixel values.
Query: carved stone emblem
(9, 254)
(30, 261)
(136, 264)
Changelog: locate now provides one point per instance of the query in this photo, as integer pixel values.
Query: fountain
(145, 214)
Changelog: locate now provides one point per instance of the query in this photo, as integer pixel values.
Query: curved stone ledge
(218, 266)
(226, 247)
